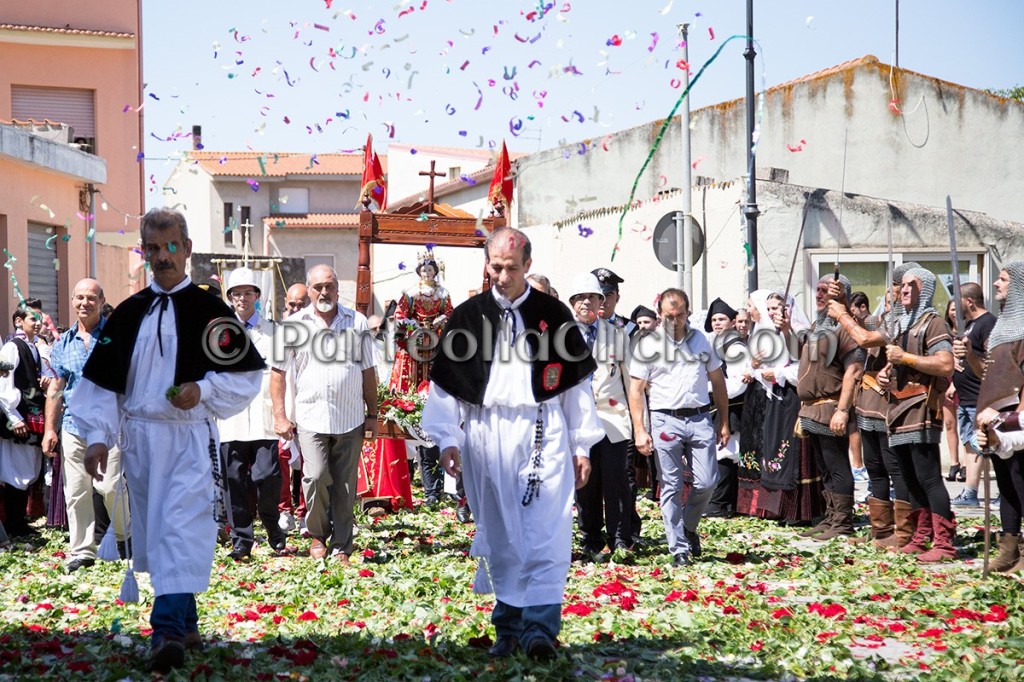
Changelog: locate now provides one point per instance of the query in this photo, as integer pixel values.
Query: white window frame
(324, 259)
(814, 258)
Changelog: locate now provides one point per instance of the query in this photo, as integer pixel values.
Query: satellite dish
(664, 241)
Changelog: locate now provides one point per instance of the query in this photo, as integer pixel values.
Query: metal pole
(684, 237)
(680, 251)
(92, 227)
(750, 210)
(897, 34)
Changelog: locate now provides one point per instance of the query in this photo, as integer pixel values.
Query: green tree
(1016, 92)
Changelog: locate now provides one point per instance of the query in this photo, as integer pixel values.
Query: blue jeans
(173, 615)
(527, 622)
(965, 421)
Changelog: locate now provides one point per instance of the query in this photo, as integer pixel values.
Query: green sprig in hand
(173, 392)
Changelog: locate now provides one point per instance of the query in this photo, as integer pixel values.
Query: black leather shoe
(693, 540)
(682, 559)
(81, 562)
(541, 648)
(504, 647)
(239, 555)
(166, 656)
(431, 500)
(194, 641)
(463, 514)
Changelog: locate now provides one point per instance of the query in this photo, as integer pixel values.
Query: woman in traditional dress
(755, 402)
(420, 316)
(790, 482)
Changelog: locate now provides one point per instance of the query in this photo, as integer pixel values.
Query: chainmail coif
(1010, 325)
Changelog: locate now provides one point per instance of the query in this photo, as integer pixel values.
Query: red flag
(500, 192)
(381, 191)
(373, 185)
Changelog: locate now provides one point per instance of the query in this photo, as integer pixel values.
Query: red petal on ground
(578, 610)
(365, 573)
(827, 610)
(757, 646)
(782, 613)
(308, 615)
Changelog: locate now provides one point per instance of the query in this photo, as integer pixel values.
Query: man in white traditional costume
(510, 389)
(170, 361)
(22, 398)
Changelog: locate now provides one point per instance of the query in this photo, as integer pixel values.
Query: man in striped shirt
(329, 349)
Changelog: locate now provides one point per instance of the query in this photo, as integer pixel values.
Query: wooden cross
(430, 192)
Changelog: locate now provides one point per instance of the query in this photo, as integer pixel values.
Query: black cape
(462, 366)
(194, 309)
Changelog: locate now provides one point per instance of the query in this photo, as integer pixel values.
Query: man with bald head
(67, 360)
(296, 299)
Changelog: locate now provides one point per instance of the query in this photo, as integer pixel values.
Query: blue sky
(316, 77)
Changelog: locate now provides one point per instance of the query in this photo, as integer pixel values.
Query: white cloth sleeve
(225, 394)
(1009, 443)
(788, 374)
(442, 418)
(10, 396)
(734, 378)
(581, 422)
(97, 413)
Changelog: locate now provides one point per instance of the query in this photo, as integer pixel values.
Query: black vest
(559, 356)
(33, 398)
(194, 310)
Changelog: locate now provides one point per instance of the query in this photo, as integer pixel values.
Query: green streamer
(661, 134)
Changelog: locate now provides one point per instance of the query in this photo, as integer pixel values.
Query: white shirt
(676, 371)
(256, 421)
(327, 363)
(510, 382)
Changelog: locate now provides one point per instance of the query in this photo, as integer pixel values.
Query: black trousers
(922, 470)
(604, 502)
(832, 454)
(724, 499)
(1010, 477)
(253, 468)
(880, 461)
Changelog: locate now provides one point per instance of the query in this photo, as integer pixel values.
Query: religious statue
(419, 320)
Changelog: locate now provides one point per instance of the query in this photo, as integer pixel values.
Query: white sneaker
(286, 522)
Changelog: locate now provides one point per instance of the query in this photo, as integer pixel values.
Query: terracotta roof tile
(67, 30)
(247, 164)
(314, 220)
(488, 154)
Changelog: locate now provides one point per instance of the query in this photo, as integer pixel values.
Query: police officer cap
(609, 280)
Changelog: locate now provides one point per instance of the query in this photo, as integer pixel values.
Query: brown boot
(943, 538)
(826, 521)
(922, 521)
(842, 518)
(904, 528)
(1019, 566)
(1009, 553)
(882, 529)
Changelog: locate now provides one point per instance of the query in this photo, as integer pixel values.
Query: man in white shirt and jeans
(676, 363)
(330, 350)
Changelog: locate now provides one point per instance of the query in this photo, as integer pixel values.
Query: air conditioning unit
(58, 132)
